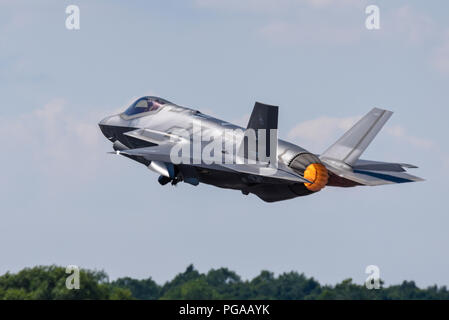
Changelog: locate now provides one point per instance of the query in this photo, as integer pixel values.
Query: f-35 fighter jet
(183, 144)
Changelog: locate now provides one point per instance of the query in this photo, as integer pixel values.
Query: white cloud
(300, 21)
(273, 6)
(440, 56)
(282, 32)
(327, 21)
(242, 5)
(446, 164)
(411, 25)
(400, 133)
(54, 141)
(320, 133)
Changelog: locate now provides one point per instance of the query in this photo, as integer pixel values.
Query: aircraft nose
(106, 127)
(105, 121)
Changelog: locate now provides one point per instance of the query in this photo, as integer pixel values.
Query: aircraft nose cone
(106, 127)
(105, 121)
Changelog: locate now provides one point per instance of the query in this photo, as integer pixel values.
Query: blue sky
(66, 201)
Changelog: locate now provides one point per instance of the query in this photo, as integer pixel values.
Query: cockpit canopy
(146, 104)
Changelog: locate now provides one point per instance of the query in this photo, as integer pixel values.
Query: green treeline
(49, 282)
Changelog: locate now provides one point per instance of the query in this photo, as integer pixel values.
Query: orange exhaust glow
(317, 173)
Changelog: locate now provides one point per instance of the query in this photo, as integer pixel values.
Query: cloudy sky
(64, 200)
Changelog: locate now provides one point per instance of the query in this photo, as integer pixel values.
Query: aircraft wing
(162, 153)
(155, 153)
(281, 172)
(154, 136)
(263, 117)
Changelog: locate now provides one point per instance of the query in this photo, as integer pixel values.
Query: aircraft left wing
(153, 136)
(162, 153)
(155, 153)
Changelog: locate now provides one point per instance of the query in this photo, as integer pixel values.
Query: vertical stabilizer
(354, 142)
(264, 124)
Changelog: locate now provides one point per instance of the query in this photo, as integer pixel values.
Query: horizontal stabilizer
(373, 174)
(382, 166)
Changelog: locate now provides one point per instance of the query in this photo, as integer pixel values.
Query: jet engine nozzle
(310, 167)
(317, 173)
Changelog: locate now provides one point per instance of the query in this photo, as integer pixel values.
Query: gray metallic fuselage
(154, 131)
(171, 118)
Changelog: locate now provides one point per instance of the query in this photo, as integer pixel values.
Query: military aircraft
(154, 132)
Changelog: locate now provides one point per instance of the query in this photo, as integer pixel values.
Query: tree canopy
(49, 282)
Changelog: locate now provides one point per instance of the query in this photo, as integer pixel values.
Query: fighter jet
(183, 144)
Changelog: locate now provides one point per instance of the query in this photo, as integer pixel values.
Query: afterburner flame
(317, 173)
